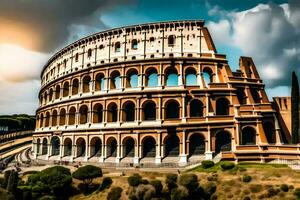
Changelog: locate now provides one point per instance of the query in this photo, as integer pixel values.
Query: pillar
(183, 109)
(118, 158)
(158, 156)
(208, 152)
(181, 75)
(183, 155)
(137, 156)
(277, 131)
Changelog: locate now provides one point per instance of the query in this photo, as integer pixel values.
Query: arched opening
(248, 136)
(98, 113)
(75, 87)
(270, 132)
(45, 97)
(111, 147)
(76, 58)
(132, 79)
(255, 95)
(66, 89)
(96, 145)
(171, 40)
(38, 145)
(172, 145)
(117, 47)
(86, 81)
(115, 80)
(55, 146)
(54, 118)
(134, 44)
(42, 121)
(172, 110)
(47, 119)
(67, 147)
(207, 76)
(151, 78)
(72, 115)
(129, 111)
(83, 111)
(62, 117)
(128, 146)
(197, 144)
(149, 145)
(112, 112)
(223, 141)
(81, 146)
(222, 106)
(45, 147)
(99, 83)
(89, 53)
(241, 96)
(196, 108)
(149, 109)
(50, 94)
(171, 77)
(190, 77)
(57, 92)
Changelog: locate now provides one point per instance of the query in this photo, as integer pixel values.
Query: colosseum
(155, 94)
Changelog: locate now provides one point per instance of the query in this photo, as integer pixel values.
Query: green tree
(87, 174)
(12, 183)
(295, 109)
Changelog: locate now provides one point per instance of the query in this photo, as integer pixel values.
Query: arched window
(55, 146)
(148, 145)
(89, 52)
(38, 145)
(50, 94)
(128, 147)
(83, 111)
(196, 108)
(248, 136)
(54, 118)
(129, 111)
(86, 81)
(62, 117)
(57, 92)
(132, 79)
(207, 76)
(117, 47)
(172, 145)
(112, 112)
(66, 89)
(222, 106)
(171, 40)
(115, 82)
(80, 144)
(172, 110)
(67, 147)
(190, 77)
(255, 95)
(97, 113)
(111, 147)
(241, 96)
(42, 121)
(76, 58)
(134, 44)
(99, 84)
(197, 144)
(44, 146)
(172, 78)
(151, 78)
(149, 111)
(45, 97)
(72, 115)
(75, 86)
(269, 130)
(96, 145)
(47, 119)
(223, 141)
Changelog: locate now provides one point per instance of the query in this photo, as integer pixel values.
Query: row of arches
(128, 112)
(132, 80)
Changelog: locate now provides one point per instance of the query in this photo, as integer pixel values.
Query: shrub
(143, 192)
(171, 181)
(12, 183)
(246, 198)
(115, 193)
(246, 178)
(284, 187)
(255, 188)
(213, 177)
(134, 180)
(207, 164)
(297, 192)
(87, 173)
(179, 193)
(227, 165)
(190, 181)
(30, 172)
(144, 181)
(210, 188)
(106, 183)
(158, 187)
(272, 192)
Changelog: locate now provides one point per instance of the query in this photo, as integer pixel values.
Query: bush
(143, 192)
(179, 193)
(227, 165)
(171, 181)
(284, 187)
(87, 173)
(30, 172)
(210, 189)
(272, 192)
(190, 181)
(106, 183)
(134, 180)
(115, 193)
(246, 178)
(158, 187)
(144, 181)
(255, 188)
(297, 192)
(13, 182)
(207, 164)
(213, 177)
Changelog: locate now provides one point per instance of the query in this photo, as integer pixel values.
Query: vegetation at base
(295, 108)
(87, 174)
(134, 180)
(246, 178)
(115, 193)
(22, 122)
(207, 164)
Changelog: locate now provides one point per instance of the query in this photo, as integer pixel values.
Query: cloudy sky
(32, 30)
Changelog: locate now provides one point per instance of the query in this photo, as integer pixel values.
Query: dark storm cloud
(51, 20)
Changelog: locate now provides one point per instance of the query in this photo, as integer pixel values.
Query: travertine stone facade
(156, 92)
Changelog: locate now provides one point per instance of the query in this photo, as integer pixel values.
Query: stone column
(183, 155)
(181, 76)
(208, 152)
(137, 156)
(183, 113)
(118, 158)
(158, 157)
